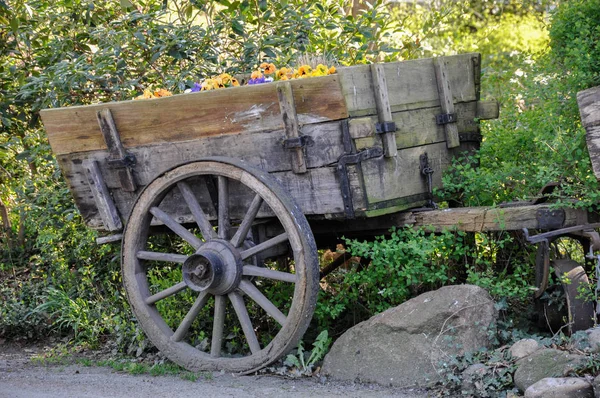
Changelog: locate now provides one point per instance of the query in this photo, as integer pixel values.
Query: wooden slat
(106, 207)
(589, 109)
(285, 96)
(446, 100)
(487, 110)
(411, 84)
(384, 113)
(191, 116)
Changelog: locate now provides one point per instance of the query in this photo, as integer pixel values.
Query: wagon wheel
(221, 269)
(580, 311)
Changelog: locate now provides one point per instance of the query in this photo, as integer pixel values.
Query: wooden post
(446, 101)
(384, 111)
(115, 148)
(291, 125)
(589, 109)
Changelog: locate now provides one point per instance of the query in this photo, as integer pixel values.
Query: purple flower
(258, 80)
(196, 88)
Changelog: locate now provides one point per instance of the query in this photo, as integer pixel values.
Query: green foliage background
(55, 278)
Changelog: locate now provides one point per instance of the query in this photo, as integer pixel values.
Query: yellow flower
(283, 72)
(304, 71)
(331, 70)
(256, 75)
(284, 77)
(207, 84)
(146, 95)
(234, 82)
(218, 82)
(321, 69)
(225, 78)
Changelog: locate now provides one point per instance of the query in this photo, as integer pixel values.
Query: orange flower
(268, 68)
(234, 82)
(162, 93)
(256, 75)
(283, 72)
(331, 70)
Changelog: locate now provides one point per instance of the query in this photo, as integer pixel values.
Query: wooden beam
(589, 109)
(481, 219)
(285, 95)
(384, 113)
(104, 203)
(115, 148)
(446, 101)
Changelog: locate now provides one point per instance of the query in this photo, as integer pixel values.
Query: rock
(523, 348)
(404, 346)
(596, 385)
(472, 376)
(564, 387)
(593, 336)
(544, 363)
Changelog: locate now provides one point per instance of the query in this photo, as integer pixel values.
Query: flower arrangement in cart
(266, 73)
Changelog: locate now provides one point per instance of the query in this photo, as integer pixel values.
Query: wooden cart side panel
(316, 192)
(589, 109)
(181, 118)
(418, 127)
(262, 149)
(394, 179)
(411, 84)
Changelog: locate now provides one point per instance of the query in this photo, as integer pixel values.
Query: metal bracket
(128, 161)
(427, 172)
(353, 158)
(445, 118)
(297, 142)
(550, 219)
(385, 127)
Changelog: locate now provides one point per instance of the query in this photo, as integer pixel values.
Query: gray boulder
(564, 387)
(407, 345)
(545, 363)
(523, 348)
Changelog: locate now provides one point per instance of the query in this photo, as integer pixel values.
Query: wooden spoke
(260, 299)
(251, 270)
(197, 212)
(184, 326)
(166, 293)
(223, 207)
(242, 232)
(218, 323)
(155, 256)
(176, 227)
(264, 245)
(244, 318)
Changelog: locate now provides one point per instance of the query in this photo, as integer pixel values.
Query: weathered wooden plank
(481, 219)
(285, 96)
(487, 110)
(196, 115)
(446, 101)
(411, 84)
(384, 113)
(589, 109)
(416, 127)
(399, 177)
(104, 203)
(115, 148)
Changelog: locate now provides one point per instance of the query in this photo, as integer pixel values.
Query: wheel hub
(216, 267)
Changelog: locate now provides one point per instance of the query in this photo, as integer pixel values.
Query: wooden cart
(242, 175)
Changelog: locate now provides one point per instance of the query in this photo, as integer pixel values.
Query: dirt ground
(21, 376)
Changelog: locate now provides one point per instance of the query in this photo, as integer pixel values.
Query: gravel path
(20, 378)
